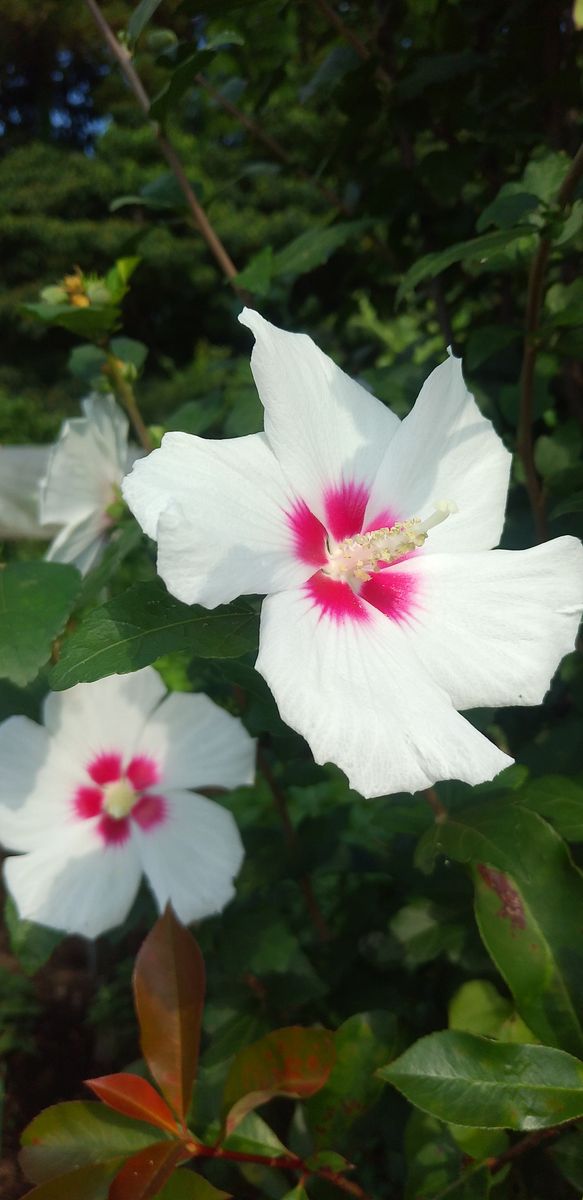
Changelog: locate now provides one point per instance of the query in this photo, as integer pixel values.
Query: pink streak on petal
(345, 506)
(143, 772)
(393, 593)
(114, 831)
(150, 811)
(308, 533)
(105, 768)
(88, 802)
(335, 599)
(383, 520)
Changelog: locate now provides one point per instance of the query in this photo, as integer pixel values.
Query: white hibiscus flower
(21, 470)
(84, 473)
(383, 617)
(101, 795)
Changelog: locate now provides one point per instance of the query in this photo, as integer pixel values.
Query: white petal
(108, 715)
(198, 744)
(79, 543)
(218, 511)
(36, 785)
(492, 628)
(21, 470)
(110, 427)
(359, 695)
(323, 427)
(74, 884)
(446, 450)
(192, 858)
(84, 465)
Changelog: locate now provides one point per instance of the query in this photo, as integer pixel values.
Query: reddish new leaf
(143, 1175)
(292, 1062)
(134, 1097)
(169, 982)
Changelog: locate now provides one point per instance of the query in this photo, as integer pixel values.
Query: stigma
(355, 559)
(119, 798)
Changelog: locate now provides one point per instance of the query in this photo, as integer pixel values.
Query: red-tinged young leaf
(169, 983)
(292, 1062)
(144, 1174)
(134, 1097)
(185, 1185)
(80, 1133)
(88, 1183)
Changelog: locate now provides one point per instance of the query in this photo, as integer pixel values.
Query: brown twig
(271, 144)
(284, 1162)
(280, 803)
(199, 216)
(439, 809)
(534, 302)
(493, 1165)
(353, 39)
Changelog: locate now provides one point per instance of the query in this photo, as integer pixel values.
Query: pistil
(355, 559)
(119, 798)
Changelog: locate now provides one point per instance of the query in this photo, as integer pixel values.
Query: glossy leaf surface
(169, 985)
(288, 1062)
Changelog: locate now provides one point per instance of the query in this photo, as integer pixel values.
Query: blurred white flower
(387, 607)
(85, 469)
(21, 470)
(101, 795)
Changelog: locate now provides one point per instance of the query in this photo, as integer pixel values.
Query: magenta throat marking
(141, 774)
(392, 593)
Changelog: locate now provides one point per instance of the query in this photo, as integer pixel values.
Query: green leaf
(31, 944)
(169, 986)
(185, 1185)
(140, 17)
(77, 1134)
(35, 601)
(435, 1161)
(491, 1085)
(571, 226)
(478, 1007)
(528, 896)
(91, 322)
(567, 1155)
(224, 37)
(256, 277)
(88, 1183)
(510, 207)
(254, 1136)
(142, 1176)
(122, 541)
(86, 362)
(362, 1044)
(144, 623)
(315, 247)
(544, 175)
(424, 934)
(292, 1062)
(130, 351)
(478, 250)
(184, 75)
(560, 801)
(573, 504)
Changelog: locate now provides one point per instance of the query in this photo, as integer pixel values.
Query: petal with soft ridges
(111, 427)
(84, 466)
(360, 696)
(324, 428)
(36, 785)
(80, 543)
(446, 450)
(103, 717)
(74, 883)
(192, 857)
(21, 470)
(492, 628)
(197, 744)
(218, 510)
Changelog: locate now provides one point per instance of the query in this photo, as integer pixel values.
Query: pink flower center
(117, 795)
(355, 560)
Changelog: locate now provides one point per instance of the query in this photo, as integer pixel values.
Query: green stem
(125, 393)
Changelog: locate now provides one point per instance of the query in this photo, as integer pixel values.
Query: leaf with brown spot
(169, 985)
(143, 1175)
(293, 1062)
(134, 1097)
